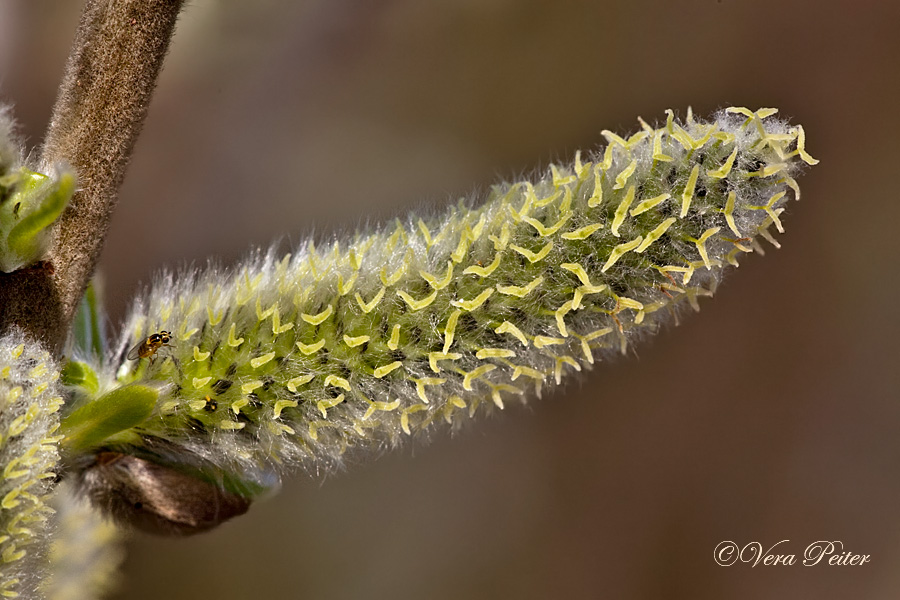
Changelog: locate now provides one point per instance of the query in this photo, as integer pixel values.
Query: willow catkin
(358, 343)
(30, 398)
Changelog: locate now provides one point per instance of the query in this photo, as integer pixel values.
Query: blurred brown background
(772, 415)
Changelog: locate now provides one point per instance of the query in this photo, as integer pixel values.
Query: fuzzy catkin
(356, 344)
(86, 551)
(29, 417)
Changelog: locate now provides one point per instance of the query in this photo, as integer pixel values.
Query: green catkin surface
(358, 343)
(29, 403)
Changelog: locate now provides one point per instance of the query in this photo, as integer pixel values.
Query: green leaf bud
(29, 203)
(36, 202)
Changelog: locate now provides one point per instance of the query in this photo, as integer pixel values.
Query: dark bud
(155, 498)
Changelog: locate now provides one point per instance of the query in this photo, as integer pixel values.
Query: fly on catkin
(357, 344)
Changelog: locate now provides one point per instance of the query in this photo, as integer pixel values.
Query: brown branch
(109, 78)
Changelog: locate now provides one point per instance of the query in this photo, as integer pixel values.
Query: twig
(109, 78)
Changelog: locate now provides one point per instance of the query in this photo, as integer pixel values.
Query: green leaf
(97, 421)
(24, 238)
(87, 327)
